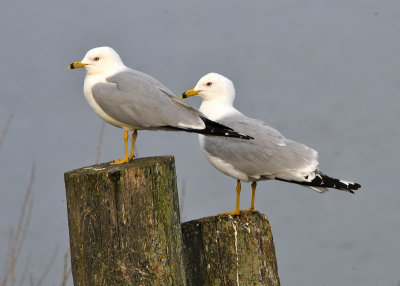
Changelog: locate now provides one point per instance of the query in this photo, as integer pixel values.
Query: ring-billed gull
(133, 100)
(268, 156)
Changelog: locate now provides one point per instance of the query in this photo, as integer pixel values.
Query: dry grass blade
(67, 271)
(17, 239)
(25, 271)
(31, 279)
(9, 258)
(4, 133)
(48, 267)
(25, 215)
(25, 228)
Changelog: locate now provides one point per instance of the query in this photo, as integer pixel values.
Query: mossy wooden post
(124, 224)
(226, 250)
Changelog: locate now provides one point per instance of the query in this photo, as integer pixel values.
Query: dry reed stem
(48, 267)
(67, 271)
(16, 240)
(8, 123)
(25, 271)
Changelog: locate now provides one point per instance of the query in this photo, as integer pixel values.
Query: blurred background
(325, 73)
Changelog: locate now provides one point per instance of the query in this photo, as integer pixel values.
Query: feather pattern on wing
(268, 156)
(143, 102)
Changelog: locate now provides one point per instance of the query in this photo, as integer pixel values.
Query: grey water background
(325, 73)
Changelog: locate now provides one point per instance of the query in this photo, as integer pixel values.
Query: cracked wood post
(226, 250)
(124, 224)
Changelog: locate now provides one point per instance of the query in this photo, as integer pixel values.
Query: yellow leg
(125, 159)
(253, 196)
(237, 209)
(134, 136)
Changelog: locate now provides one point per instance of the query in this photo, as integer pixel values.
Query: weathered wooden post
(124, 224)
(226, 250)
(125, 230)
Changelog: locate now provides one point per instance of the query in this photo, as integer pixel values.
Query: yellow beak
(76, 65)
(189, 93)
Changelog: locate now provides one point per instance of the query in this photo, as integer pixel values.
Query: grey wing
(270, 154)
(133, 99)
(261, 131)
(154, 82)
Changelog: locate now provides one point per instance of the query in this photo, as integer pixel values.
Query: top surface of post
(106, 167)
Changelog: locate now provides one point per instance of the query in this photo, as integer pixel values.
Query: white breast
(222, 165)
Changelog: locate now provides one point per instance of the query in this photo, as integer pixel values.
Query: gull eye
(96, 59)
(209, 83)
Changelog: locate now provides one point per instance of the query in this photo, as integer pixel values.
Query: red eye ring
(96, 59)
(209, 83)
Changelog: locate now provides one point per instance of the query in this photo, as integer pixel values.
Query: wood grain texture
(230, 250)
(124, 224)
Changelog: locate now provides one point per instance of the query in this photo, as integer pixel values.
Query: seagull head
(101, 60)
(213, 87)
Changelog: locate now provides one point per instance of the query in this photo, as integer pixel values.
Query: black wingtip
(323, 181)
(218, 129)
(213, 129)
(352, 186)
(226, 133)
